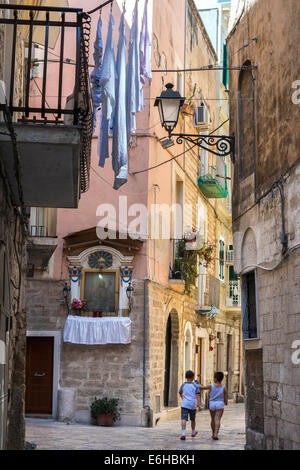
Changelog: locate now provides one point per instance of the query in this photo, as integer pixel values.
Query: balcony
(214, 183)
(43, 238)
(234, 294)
(46, 127)
(230, 256)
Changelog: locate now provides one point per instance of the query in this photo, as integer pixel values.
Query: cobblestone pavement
(52, 435)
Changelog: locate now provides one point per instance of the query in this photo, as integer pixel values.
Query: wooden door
(39, 375)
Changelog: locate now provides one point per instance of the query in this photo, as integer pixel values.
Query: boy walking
(190, 394)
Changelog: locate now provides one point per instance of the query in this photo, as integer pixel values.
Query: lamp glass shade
(169, 112)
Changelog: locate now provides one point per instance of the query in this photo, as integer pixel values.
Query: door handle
(40, 375)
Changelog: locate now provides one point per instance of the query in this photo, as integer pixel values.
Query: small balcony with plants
(187, 254)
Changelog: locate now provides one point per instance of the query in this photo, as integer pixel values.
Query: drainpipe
(145, 345)
(284, 236)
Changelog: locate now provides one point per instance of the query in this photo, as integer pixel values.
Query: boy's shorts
(185, 412)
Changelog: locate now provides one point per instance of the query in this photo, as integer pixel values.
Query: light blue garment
(189, 391)
(119, 150)
(133, 75)
(145, 55)
(108, 98)
(96, 73)
(216, 393)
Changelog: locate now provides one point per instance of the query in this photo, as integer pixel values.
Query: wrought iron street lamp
(169, 104)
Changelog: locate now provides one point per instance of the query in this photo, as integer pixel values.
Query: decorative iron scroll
(218, 145)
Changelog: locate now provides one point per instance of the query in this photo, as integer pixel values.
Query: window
(178, 225)
(249, 300)
(221, 259)
(100, 290)
(245, 124)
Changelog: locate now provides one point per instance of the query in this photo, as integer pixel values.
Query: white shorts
(216, 405)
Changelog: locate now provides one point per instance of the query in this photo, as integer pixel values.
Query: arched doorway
(171, 360)
(187, 348)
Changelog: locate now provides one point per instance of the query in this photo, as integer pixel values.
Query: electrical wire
(274, 268)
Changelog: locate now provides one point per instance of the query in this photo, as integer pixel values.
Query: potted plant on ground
(105, 411)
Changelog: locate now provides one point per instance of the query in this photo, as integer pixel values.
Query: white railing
(230, 256)
(234, 294)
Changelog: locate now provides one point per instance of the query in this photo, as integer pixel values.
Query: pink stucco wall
(146, 188)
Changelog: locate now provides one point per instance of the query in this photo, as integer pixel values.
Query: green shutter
(232, 275)
(225, 65)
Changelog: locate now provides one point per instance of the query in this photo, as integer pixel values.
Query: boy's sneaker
(182, 438)
(194, 434)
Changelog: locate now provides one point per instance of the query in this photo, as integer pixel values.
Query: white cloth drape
(89, 331)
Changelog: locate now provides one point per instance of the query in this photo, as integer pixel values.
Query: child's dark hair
(189, 374)
(219, 376)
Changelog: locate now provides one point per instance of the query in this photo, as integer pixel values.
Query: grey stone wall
(109, 370)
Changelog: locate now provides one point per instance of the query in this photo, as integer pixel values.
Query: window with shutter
(221, 259)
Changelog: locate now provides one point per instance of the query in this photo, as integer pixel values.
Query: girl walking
(218, 397)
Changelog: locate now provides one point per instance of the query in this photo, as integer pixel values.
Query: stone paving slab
(52, 435)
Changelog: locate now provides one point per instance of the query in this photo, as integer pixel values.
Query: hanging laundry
(119, 150)
(145, 54)
(133, 75)
(107, 99)
(96, 73)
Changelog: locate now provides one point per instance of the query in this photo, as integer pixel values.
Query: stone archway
(249, 249)
(171, 360)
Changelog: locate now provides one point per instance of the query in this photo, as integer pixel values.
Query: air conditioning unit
(202, 117)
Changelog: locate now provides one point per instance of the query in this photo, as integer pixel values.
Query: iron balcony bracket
(219, 145)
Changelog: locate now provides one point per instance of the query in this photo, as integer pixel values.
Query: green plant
(189, 99)
(190, 265)
(105, 406)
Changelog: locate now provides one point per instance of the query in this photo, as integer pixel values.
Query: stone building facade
(13, 233)
(171, 331)
(265, 118)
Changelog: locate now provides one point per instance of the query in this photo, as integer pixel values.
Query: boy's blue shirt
(189, 395)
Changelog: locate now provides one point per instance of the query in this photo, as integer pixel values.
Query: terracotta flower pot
(105, 420)
(187, 109)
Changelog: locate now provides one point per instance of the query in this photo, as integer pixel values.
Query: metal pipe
(28, 76)
(146, 303)
(62, 43)
(4, 6)
(13, 60)
(45, 65)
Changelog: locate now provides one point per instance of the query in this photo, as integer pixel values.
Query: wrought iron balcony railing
(234, 294)
(24, 22)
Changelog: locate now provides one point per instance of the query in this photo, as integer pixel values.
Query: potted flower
(78, 306)
(105, 411)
